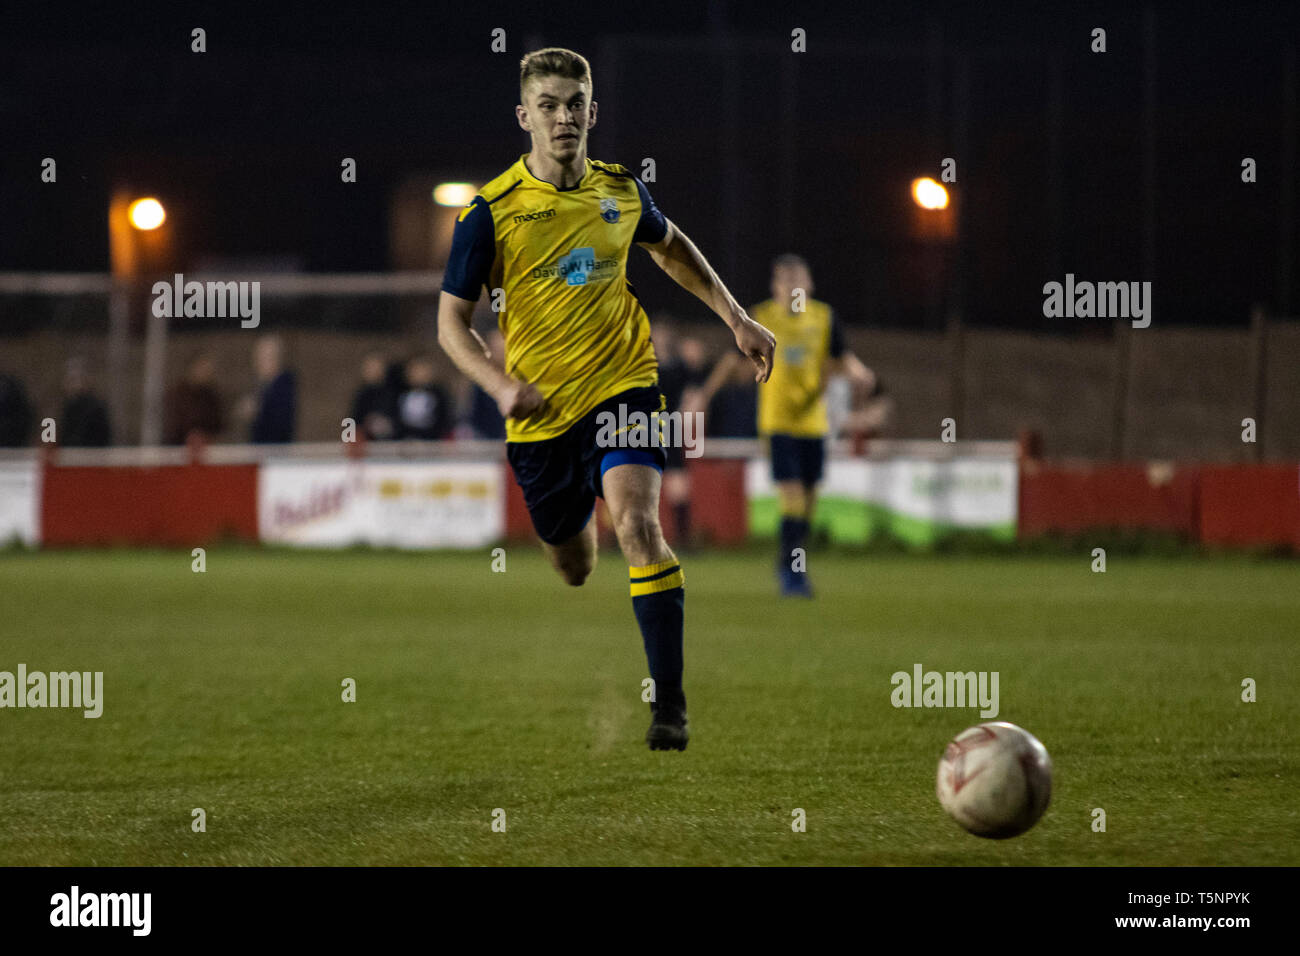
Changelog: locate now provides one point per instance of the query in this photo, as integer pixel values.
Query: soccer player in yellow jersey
(792, 416)
(550, 238)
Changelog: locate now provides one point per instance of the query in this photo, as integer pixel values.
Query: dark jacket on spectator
(370, 402)
(484, 415)
(424, 413)
(15, 413)
(189, 408)
(276, 411)
(84, 423)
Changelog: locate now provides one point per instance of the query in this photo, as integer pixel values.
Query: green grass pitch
(479, 690)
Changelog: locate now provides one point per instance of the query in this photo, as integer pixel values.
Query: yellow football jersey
(572, 323)
(793, 402)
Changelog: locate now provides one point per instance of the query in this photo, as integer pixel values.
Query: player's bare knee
(639, 533)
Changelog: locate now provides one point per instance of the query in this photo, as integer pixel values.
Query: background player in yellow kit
(553, 233)
(792, 406)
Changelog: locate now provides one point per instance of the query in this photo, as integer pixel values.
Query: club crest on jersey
(609, 210)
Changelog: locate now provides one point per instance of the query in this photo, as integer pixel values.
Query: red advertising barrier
(1232, 506)
(177, 505)
(518, 525)
(719, 511)
(1250, 506)
(1070, 498)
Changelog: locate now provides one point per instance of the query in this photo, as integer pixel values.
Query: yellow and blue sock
(658, 599)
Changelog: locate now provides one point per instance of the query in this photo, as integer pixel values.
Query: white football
(995, 779)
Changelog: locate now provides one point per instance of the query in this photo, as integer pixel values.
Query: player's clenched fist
(757, 343)
(519, 399)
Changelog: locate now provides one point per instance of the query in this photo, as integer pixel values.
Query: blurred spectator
(485, 419)
(732, 400)
(683, 370)
(683, 367)
(193, 404)
(871, 413)
(15, 412)
(273, 422)
(423, 410)
(374, 406)
(396, 379)
(84, 420)
(728, 396)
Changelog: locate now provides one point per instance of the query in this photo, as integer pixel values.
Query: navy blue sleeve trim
(473, 249)
(837, 337)
(652, 226)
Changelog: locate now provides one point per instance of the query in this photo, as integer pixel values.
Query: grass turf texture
(478, 690)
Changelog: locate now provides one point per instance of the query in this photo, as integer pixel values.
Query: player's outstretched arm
(470, 354)
(679, 257)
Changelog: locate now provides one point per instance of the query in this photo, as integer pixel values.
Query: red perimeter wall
(1250, 506)
(177, 505)
(1232, 506)
(1070, 498)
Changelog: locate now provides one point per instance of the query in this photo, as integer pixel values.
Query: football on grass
(995, 780)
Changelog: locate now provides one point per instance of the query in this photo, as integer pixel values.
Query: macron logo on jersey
(533, 216)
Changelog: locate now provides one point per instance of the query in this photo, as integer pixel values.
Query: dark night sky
(245, 139)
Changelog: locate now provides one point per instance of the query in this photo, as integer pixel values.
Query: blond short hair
(553, 61)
